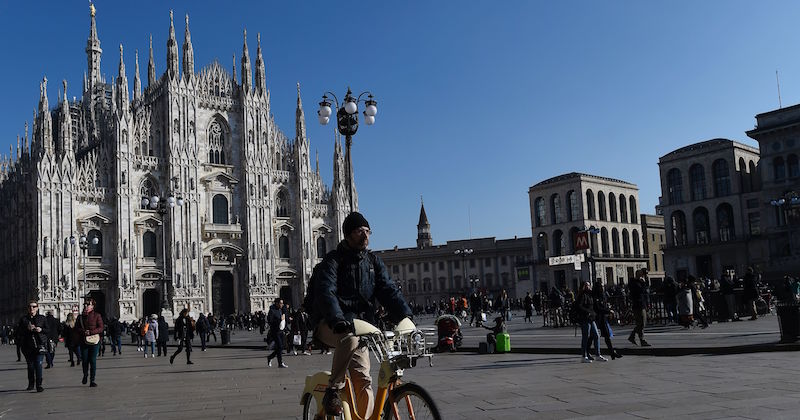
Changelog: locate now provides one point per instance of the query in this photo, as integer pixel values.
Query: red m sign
(581, 241)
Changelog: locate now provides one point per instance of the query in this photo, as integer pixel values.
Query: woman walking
(150, 336)
(32, 337)
(602, 310)
(586, 318)
(88, 328)
(70, 342)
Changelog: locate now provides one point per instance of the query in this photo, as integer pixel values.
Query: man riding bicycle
(345, 285)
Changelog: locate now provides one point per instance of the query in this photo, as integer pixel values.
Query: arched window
(593, 242)
(612, 207)
(674, 186)
(147, 190)
(615, 241)
(702, 230)
(623, 209)
(555, 209)
(779, 167)
(149, 245)
(572, 232)
(601, 205)
(626, 242)
(604, 240)
(216, 143)
(283, 247)
(794, 167)
(725, 224)
(572, 206)
(634, 210)
(539, 212)
(558, 243)
(277, 163)
(722, 178)
(94, 250)
(281, 204)
(590, 205)
(744, 184)
(220, 208)
(678, 220)
(697, 182)
(322, 248)
(636, 250)
(753, 176)
(541, 246)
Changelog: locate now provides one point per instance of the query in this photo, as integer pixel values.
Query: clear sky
(477, 100)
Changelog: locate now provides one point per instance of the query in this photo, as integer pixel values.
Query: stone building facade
(431, 272)
(565, 205)
(255, 215)
(711, 202)
(653, 241)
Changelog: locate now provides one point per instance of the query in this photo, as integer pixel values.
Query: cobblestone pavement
(236, 383)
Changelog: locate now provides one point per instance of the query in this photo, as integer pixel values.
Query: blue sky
(477, 100)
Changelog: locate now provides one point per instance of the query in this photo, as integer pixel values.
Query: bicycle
(396, 351)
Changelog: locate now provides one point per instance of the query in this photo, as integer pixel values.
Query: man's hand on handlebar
(343, 327)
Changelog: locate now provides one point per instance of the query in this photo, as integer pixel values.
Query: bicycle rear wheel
(410, 401)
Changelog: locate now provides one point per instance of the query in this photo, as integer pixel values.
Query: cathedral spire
(172, 50)
(93, 51)
(137, 82)
(300, 118)
(424, 239)
(65, 132)
(188, 52)
(43, 131)
(317, 167)
(233, 69)
(151, 66)
(122, 85)
(247, 77)
(261, 73)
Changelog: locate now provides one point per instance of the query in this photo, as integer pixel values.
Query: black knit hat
(353, 221)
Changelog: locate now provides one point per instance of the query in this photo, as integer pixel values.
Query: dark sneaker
(632, 339)
(39, 389)
(93, 385)
(645, 344)
(332, 403)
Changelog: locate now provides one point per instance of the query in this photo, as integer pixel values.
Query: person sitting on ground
(498, 328)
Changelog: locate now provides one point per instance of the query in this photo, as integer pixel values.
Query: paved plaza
(234, 382)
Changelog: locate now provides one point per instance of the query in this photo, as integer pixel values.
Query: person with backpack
(150, 333)
(343, 287)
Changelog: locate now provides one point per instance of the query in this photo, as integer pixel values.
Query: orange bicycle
(396, 350)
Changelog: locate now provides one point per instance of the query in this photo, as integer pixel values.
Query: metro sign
(581, 240)
(566, 259)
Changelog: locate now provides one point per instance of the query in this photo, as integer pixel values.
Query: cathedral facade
(185, 194)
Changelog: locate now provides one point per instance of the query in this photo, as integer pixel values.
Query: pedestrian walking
(72, 345)
(202, 330)
(163, 336)
(750, 293)
(32, 337)
(528, 304)
(150, 329)
(726, 286)
(115, 335)
(212, 322)
(277, 322)
(640, 300)
(53, 332)
(184, 332)
(89, 327)
(602, 311)
(586, 317)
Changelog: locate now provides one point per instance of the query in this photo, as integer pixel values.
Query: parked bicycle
(396, 350)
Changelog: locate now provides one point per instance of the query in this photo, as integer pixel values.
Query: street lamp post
(347, 124)
(788, 208)
(592, 230)
(83, 244)
(162, 207)
(464, 252)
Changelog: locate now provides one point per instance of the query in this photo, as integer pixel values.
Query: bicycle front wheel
(410, 402)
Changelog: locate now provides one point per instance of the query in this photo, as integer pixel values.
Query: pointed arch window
(216, 143)
(220, 209)
(590, 205)
(95, 249)
(281, 204)
(147, 190)
(322, 247)
(722, 178)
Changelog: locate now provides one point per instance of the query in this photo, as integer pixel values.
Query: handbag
(297, 340)
(90, 340)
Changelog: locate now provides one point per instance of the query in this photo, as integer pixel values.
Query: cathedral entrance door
(222, 293)
(286, 295)
(151, 302)
(100, 299)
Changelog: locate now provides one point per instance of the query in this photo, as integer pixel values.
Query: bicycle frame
(396, 351)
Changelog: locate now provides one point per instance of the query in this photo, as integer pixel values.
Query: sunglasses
(33, 306)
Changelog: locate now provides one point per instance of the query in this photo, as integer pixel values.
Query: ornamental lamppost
(83, 243)
(347, 124)
(592, 230)
(463, 252)
(162, 207)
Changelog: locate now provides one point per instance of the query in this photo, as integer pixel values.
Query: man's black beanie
(353, 221)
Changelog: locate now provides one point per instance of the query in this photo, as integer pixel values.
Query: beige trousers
(348, 357)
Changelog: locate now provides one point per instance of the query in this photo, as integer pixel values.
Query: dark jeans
(116, 344)
(640, 317)
(49, 356)
(278, 339)
(34, 361)
(181, 343)
(74, 350)
(161, 344)
(89, 357)
(203, 338)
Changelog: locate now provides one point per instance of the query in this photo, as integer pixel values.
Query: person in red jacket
(89, 323)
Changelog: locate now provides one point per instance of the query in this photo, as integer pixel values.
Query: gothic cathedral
(185, 195)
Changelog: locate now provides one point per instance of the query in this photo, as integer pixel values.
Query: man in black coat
(184, 332)
(345, 285)
(276, 317)
(640, 300)
(115, 334)
(32, 338)
(53, 332)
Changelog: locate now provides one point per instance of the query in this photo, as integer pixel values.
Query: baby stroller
(449, 331)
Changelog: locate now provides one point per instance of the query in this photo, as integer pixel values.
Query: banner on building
(581, 241)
